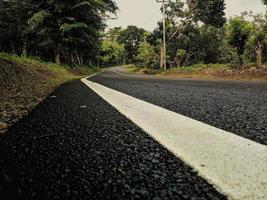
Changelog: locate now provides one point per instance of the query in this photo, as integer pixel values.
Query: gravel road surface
(76, 146)
(237, 107)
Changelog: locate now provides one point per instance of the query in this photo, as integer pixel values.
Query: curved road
(74, 145)
(239, 107)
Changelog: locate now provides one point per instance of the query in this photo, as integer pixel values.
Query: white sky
(146, 14)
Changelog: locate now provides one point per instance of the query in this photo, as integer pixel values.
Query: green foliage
(210, 12)
(181, 57)
(112, 53)
(257, 42)
(71, 32)
(175, 9)
(210, 42)
(228, 54)
(210, 39)
(200, 42)
(180, 53)
(131, 38)
(13, 20)
(28, 81)
(37, 20)
(62, 31)
(198, 67)
(65, 28)
(238, 33)
(147, 56)
(113, 34)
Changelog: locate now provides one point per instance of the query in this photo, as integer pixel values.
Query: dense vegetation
(72, 32)
(55, 30)
(25, 82)
(197, 32)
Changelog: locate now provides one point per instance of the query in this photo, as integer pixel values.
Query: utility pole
(164, 33)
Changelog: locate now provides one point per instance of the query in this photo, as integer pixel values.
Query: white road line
(236, 166)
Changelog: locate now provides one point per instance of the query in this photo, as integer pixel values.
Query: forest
(197, 33)
(75, 33)
(54, 30)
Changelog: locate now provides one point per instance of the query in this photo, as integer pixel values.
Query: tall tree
(112, 53)
(238, 32)
(199, 42)
(69, 28)
(257, 41)
(131, 38)
(113, 34)
(63, 31)
(147, 56)
(13, 21)
(210, 12)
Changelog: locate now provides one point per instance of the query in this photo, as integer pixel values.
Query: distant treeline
(72, 32)
(197, 32)
(56, 30)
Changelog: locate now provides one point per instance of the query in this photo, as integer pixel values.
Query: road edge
(235, 153)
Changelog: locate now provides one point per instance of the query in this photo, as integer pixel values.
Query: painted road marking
(236, 166)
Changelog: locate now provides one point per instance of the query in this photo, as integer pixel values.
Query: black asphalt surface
(76, 146)
(237, 107)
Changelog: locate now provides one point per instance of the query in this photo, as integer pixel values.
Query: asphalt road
(237, 107)
(74, 145)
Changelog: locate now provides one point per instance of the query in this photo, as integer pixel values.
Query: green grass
(210, 72)
(136, 69)
(199, 67)
(133, 69)
(187, 69)
(24, 82)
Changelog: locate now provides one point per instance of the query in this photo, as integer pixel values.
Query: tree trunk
(24, 50)
(57, 56)
(82, 59)
(258, 50)
(78, 58)
(178, 61)
(72, 58)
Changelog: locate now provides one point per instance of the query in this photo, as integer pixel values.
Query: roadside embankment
(208, 72)
(25, 82)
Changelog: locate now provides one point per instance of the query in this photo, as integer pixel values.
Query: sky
(146, 13)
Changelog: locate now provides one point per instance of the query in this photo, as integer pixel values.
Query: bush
(147, 56)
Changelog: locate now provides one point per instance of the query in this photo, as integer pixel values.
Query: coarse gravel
(74, 145)
(234, 106)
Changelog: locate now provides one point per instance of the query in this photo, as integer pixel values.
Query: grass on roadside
(209, 71)
(143, 70)
(198, 67)
(24, 82)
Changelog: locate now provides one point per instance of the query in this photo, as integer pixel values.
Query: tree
(174, 10)
(112, 53)
(210, 12)
(264, 2)
(238, 33)
(209, 40)
(147, 56)
(200, 41)
(131, 38)
(13, 20)
(113, 34)
(69, 28)
(63, 31)
(181, 57)
(258, 39)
